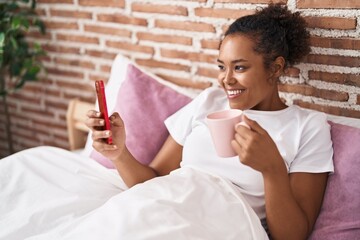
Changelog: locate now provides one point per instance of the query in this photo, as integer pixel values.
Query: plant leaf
(2, 40)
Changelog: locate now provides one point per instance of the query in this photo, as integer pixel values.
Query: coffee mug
(222, 129)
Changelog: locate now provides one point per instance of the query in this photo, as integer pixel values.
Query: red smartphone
(100, 91)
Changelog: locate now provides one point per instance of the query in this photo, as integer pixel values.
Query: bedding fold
(49, 193)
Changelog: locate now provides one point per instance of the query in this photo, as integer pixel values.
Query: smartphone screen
(100, 91)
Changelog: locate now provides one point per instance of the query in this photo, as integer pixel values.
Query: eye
(221, 67)
(240, 68)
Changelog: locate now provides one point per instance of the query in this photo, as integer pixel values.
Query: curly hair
(276, 32)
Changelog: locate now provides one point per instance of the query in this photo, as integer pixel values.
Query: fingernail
(107, 133)
(101, 122)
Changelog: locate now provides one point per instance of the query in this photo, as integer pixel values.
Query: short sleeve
(315, 153)
(180, 124)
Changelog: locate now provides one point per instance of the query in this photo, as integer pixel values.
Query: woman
(283, 158)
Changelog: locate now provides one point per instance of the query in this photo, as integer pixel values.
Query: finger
(253, 124)
(243, 130)
(100, 135)
(101, 146)
(240, 139)
(94, 122)
(116, 120)
(236, 147)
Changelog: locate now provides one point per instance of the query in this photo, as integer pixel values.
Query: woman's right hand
(95, 122)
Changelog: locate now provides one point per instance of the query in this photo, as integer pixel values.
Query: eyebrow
(233, 61)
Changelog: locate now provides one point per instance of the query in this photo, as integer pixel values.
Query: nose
(229, 78)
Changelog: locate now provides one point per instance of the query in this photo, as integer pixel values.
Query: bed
(75, 194)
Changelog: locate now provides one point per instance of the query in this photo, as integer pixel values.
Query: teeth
(234, 92)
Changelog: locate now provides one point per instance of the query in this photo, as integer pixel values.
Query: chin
(237, 106)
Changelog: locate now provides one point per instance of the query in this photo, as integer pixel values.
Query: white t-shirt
(302, 137)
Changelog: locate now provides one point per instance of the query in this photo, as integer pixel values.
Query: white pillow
(353, 122)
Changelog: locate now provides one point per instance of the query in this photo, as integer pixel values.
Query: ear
(277, 67)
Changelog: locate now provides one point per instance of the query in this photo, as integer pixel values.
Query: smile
(234, 93)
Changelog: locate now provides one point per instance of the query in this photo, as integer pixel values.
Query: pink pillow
(339, 218)
(144, 104)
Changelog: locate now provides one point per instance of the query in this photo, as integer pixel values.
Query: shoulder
(308, 118)
(313, 126)
(212, 98)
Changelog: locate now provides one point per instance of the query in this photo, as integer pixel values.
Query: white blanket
(50, 193)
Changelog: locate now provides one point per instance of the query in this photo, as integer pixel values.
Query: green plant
(18, 59)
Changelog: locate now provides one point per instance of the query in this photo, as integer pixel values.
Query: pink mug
(222, 129)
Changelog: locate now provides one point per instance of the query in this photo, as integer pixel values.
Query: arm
(292, 201)
(131, 171)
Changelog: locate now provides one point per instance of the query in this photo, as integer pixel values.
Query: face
(243, 76)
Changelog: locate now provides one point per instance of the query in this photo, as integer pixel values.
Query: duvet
(50, 193)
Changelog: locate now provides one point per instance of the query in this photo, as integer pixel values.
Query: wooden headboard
(75, 120)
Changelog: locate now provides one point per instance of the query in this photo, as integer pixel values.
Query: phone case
(100, 91)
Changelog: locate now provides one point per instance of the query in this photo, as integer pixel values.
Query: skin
(293, 200)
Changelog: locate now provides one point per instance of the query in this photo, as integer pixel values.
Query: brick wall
(178, 41)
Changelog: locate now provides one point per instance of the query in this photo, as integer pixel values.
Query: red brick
(210, 43)
(340, 78)
(105, 68)
(107, 30)
(333, 60)
(60, 25)
(331, 23)
(130, 47)
(339, 43)
(101, 54)
(222, 13)
(328, 4)
(90, 99)
(329, 109)
(122, 19)
(156, 8)
(185, 25)
(36, 111)
(192, 56)
(95, 77)
(103, 3)
(23, 98)
(65, 73)
(61, 49)
(77, 38)
(82, 87)
(56, 104)
(40, 12)
(159, 64)
(74, 62)
(207, 72)
(71, 14)
(164, 38)
(307, 90)
(38, 35)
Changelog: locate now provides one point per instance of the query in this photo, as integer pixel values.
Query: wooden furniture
(75, 120)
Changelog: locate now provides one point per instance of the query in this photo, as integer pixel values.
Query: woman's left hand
(256, 148)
